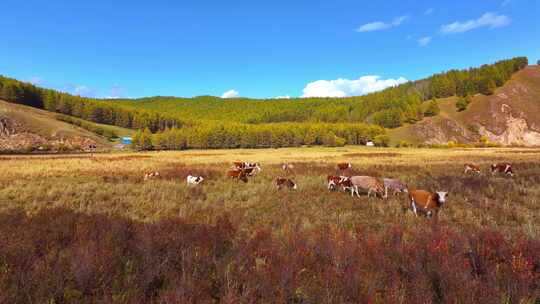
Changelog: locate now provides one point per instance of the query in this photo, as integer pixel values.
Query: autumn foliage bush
(61, 256)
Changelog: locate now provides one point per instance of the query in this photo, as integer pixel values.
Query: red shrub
(64, 256)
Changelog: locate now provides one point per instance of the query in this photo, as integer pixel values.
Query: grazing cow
(472, 168)
(285, 182)
(244, 165)
(344, 166)
(250, 171)
(334, 181)
(287, 167)
(505, 168)
(194, 180)
(151, 175)
(366, 183)
(395, 185)
(237, 174)
(427, 202)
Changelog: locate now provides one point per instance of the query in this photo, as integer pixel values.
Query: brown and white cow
(237, 174)
(366, 183)
(344, 166)
(425, 202)
(245, 165)
(505, 168)
(282, 182)
(471, 168)
(334, 181)
(151, 175)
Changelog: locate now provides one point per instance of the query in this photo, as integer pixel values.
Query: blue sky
(255, 48)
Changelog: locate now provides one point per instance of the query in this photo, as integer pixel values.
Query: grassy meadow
(258, 244)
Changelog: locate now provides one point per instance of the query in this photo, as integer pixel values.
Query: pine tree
(50, 101)
(461, 104)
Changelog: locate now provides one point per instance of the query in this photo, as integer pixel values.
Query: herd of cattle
(420, 201)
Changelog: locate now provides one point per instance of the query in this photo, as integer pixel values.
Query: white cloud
(344, 87)
(379, 25)
(283, 97)
(424, 41)
(230, 94)
(36, 80)
(429, 11)
(116, 92)
(80, 90)
(490, 20)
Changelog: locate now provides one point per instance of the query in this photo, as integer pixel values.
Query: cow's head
(331, 185)
(508, 170)
(293, 185)
(441, 196)
(199, 179)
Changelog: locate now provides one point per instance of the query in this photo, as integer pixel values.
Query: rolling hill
(24, 128)
(504, 97)
(510, 116)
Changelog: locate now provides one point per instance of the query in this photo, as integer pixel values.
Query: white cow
(194, 180)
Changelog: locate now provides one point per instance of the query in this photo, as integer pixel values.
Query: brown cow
(427, 202)
(237, 174)
(285, 182)
(471, 168)
(344, 166)
(505, 168)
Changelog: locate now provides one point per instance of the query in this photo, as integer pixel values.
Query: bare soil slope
(24, 128)
(510, 116)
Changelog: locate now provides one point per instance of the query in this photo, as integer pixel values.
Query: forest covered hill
(212, 122)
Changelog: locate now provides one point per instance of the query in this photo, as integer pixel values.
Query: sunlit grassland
(112, 184)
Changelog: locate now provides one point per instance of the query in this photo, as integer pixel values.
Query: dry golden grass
(112, 184)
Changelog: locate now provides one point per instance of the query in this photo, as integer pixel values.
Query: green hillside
(211, 122)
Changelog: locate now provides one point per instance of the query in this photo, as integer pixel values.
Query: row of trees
(218, 135)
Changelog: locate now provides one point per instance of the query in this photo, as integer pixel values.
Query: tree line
(236, 135)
